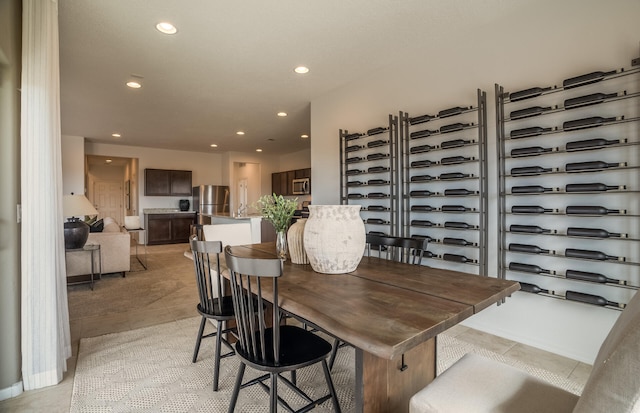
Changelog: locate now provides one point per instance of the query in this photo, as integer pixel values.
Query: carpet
(150, 370)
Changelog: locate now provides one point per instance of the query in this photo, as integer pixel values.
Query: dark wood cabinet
(169, 228)
(282, 182)
(166, 182)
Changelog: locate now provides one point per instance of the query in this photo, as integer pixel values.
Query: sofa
(115, 250)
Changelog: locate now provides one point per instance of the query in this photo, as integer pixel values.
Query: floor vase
(334, 238)
(295, 239)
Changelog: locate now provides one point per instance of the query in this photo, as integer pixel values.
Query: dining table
(391, 312)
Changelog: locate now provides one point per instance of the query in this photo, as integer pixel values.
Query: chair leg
(236, 388)
(200, 331)
(332, 390)
(216, 361)
(334, 353)
(273, 393)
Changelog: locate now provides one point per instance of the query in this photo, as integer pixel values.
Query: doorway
(112, 185)
(107, 198)
(247, 184)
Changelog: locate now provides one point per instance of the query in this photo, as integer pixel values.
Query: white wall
(73, 165)
(541, 44)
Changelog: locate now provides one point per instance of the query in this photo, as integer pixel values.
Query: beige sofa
(115, 250)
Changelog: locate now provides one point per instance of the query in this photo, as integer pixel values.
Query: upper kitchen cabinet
(165, 182)
(282, 182)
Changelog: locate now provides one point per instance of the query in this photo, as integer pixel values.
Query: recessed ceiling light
(134, 85)
(240, 132)
(304, 136)
(116, 135)
(166, 28)
(213, 145)
(258, 150)
(301, 70)
(108, 161)
(282, 114)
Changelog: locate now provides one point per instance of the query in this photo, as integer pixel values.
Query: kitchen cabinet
(169, 228)
(166, 182)
(282, 182)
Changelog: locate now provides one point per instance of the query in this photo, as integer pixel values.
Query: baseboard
(13, 391)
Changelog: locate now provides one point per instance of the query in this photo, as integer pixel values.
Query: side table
(93, 249)
(137, 232)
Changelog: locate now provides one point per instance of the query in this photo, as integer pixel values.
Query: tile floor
(179, 303)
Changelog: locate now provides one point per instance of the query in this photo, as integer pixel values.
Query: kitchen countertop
(148, 211)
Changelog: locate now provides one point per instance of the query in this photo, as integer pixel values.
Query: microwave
(301, 186)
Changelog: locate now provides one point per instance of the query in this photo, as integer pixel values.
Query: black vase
(184, 205)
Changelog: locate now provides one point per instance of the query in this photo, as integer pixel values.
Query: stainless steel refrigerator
(210, 200)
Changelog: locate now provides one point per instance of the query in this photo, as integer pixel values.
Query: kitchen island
(259, 228)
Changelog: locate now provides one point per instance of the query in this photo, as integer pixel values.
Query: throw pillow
(97, 226)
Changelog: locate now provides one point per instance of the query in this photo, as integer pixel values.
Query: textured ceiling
(230, 66)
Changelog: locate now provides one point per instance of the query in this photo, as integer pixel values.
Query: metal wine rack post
(568, 162)
(369, 175)
(444, 165)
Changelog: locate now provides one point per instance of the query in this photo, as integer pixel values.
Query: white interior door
(107, 198)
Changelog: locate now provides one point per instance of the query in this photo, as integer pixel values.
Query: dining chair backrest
(407, 250)
(380, 246)
(248, 277)
(411, 249)
(206, 259)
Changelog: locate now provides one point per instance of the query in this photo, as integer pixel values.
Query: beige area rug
(150, 370)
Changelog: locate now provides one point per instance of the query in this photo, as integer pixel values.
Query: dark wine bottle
(355, 196)
(456, 241)
(590, 143)
(590, 299)
(532, 288)
(421, 178)
(422, 208)
(456, 143)
(453, 192)
(376, 144)
(376, 131)
(377, 182)
(376, 221)
(531, 189)
(454, 127)
(593, 233)
(592, 277)
(591, 122)
(355, 183)
(422, 164)
(595, 187)
(528, 112)
(376, 169)
(454, 175)
(456, 258)
(452, 111)
(591, 255)
(586, 100)
(592, 165)
(592, 77)
(532, 150)
(352, 136)
(354, 159)
(534, 269)
(529, 209)
(421, 223)
(375, 156)
(531, 229)
(527, 93)
(422, 133)
(457, 225)
(354, 172)
(376, 208)
(450, 160)
(455, 208)
(374, 195)
(533, 249)
(590, 210)
(526, 132)
(530, 170)
(420, 119)
(428, 254)
(419, 194)
(353, 148)
(422, 148)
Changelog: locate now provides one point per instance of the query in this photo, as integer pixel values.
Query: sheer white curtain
(46, 342)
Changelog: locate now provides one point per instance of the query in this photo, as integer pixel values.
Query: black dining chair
(276, 349)
(212, 305)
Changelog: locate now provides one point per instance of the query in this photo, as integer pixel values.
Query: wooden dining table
(390, 312)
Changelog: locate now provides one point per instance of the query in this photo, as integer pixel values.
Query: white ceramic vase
(334, 238)
(295, 238)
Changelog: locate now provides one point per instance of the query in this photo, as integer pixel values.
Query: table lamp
(76, 231)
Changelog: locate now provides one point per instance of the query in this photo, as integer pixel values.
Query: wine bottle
(592, 277)
(591, 122)
(353, 148)
(586, 100)
(454, 127)
(421, 223)
(455, 208)
(532, 288)
(530, 209)
(528, 112)
(531, 229)
(591, 255)
(376, 169)
(377, 195)
(352, 136)
(376, 208)
(354, 172)
(593, 233)
(526, 132)
(355, 196)
(530, 170)
(456, 241)
(454, 175)
(534, 269)
(378, 143)
(591, 165)
(532, 150)
(420, 119)
(590, 143)
(527, 93)
(419, 194)
(452, 111)
(531, 189)
(590, 210)
(422, 208)
(592, 77)
(450, 160)
(452, 192)
(354, 159)
(428, 254)
(458, 225)
(422, 148)
(377, 182)
(376, 221)
(421, 178)
(355, 183)
(422, 134)
(375, 156)
(595, 187)
(590, 299)
(456, 143)
(422, 164)
(376, 131)
(533, 249)
(456, 258)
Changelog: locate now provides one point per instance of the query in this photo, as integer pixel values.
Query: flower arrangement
(277, 210)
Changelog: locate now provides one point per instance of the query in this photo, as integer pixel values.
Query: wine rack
(368, 175)
(568, 162)
(444, 181)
